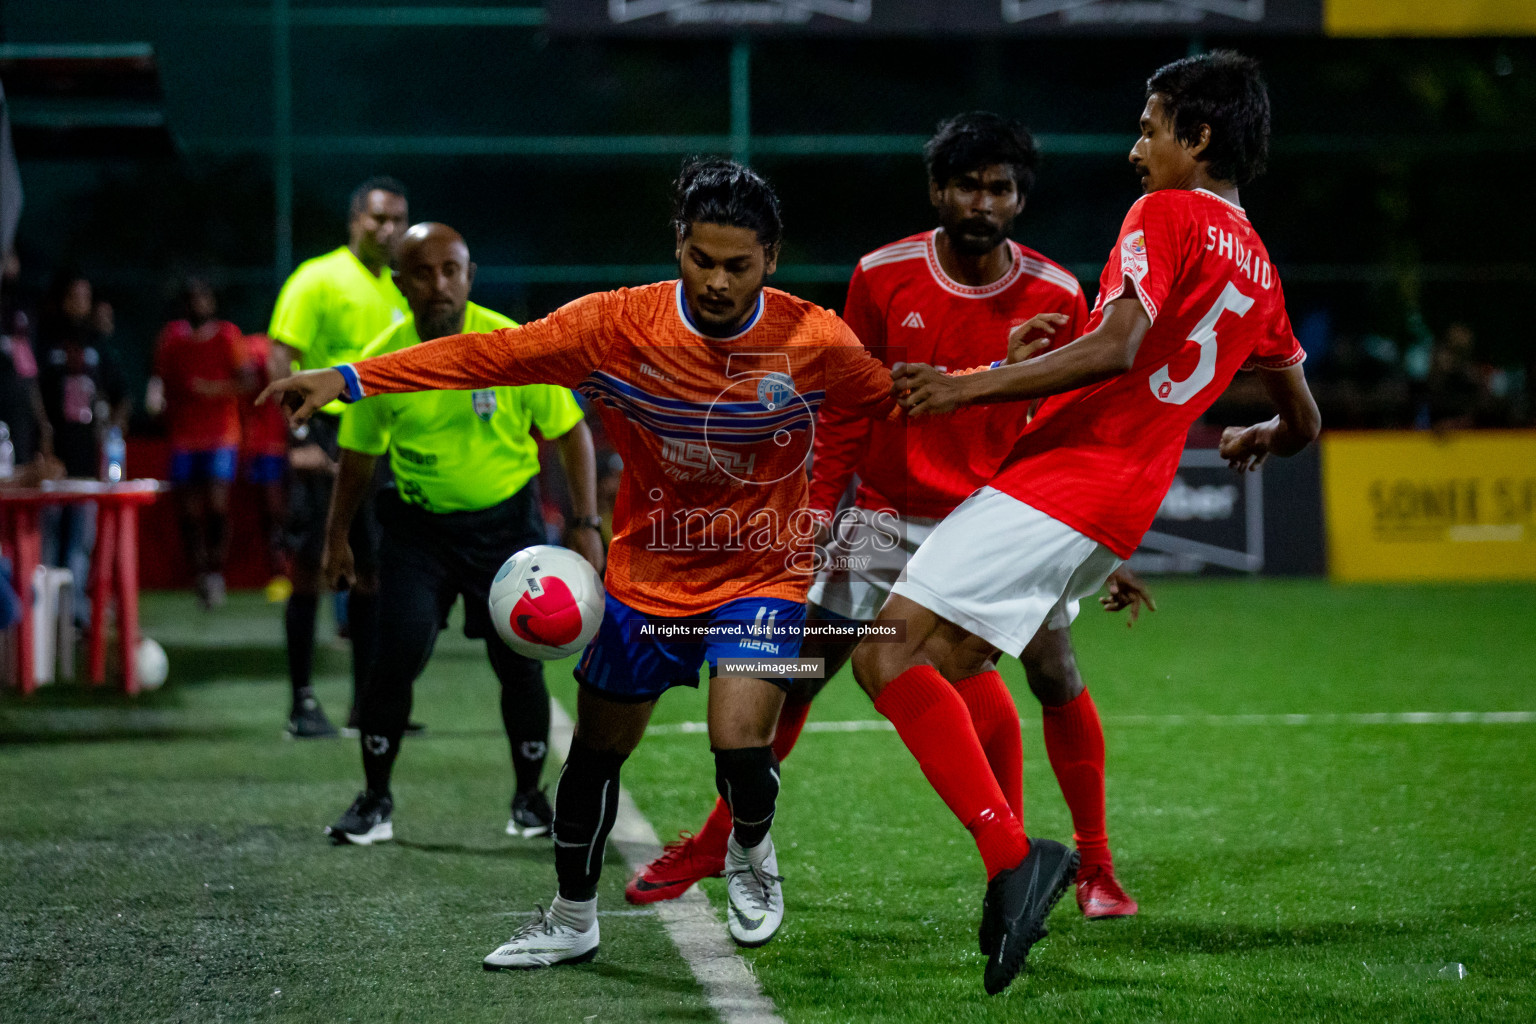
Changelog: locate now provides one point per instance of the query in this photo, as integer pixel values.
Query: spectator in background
(265, 446)
(30, 430)
(1460, 391)
(83, 396)
(22, 463)
(201, 375)
(29, 460)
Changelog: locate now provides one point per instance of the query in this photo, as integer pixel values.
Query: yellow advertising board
(1421, 506)
(1429, 17)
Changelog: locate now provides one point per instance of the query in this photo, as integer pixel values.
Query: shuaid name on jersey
(1251, 265)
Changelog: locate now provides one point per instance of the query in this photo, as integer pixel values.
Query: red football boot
(680, 865)
(1099, 895)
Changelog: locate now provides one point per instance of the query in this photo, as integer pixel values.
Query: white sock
(578, 914)
(756, 855)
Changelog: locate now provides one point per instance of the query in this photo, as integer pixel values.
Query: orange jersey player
(710, 386)
(948, 297)
(714, 431)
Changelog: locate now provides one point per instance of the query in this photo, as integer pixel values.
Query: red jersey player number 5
(1100, 458)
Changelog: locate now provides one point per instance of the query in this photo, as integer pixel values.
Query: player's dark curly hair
(720, 191)
(1225, 90)
(377, 183)
(969, 142)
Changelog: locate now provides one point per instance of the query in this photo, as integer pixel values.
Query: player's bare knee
(803, 691)
(872, 667)
(1051, 669)
(614, 727)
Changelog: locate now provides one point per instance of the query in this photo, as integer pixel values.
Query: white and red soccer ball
(547, 602)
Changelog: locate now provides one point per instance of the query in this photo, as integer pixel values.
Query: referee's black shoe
(366, 822)
(307, 720)
(1017, 903)
(531, 815)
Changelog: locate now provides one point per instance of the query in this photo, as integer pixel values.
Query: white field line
(694, 926)
(1370, 718)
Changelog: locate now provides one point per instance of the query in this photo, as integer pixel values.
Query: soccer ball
(547, 602)
(152, 664)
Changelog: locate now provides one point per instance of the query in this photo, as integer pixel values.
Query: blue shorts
(266, 469)
(211, 465)
(624, 664)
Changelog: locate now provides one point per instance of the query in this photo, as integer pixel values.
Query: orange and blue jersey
(714, 432)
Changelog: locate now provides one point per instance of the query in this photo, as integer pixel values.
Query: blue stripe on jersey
(747, 426)
(683, 405)
(717, 431)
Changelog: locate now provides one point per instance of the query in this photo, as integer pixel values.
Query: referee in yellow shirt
(329, 309)
(465, 498)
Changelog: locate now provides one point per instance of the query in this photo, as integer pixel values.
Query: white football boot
(566, 934)
(755, 892)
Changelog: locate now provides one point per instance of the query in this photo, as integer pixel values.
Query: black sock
(217, 523)
(524, 712)
(299, 625)
(748, 779)
(363, 621)
(586, 801)
(192, 543)
(384, 705)
(379, 752)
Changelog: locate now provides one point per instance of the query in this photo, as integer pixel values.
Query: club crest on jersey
(1133, 255)
(485, 404)
(774, 389)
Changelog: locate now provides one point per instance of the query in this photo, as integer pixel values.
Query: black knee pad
(748, 780)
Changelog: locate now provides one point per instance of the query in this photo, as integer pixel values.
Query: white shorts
(999, 568)
(865, 558)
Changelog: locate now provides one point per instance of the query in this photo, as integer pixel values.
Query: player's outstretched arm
(1296, 426)
(304, 394)
(1107, 351)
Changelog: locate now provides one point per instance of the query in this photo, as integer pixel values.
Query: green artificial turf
(164, 862)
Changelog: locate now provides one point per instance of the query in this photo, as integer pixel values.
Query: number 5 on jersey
(1177, 392)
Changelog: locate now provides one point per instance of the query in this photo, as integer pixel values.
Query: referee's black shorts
(309, 503)
(427, 559)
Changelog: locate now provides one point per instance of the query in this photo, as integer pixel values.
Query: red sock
(1074, 740)
(717, 827)
(996, 719)
(715, 831)
(792, 718)
(932, 720)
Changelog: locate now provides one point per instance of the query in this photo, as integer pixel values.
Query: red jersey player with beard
(947, 297)
(1187, 298)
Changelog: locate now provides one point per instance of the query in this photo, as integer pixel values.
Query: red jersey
(187, 358)
(1101, 458)
(265, 431)
(714, 432)
(904, 308)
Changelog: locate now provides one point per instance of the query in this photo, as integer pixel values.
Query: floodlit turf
(165, 863)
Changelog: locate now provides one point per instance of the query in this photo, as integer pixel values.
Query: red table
(114, 565)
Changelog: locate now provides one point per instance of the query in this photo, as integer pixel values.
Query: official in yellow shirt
(464, 499)
(330, 309)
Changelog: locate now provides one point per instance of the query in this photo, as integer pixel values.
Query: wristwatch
(577, 522)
